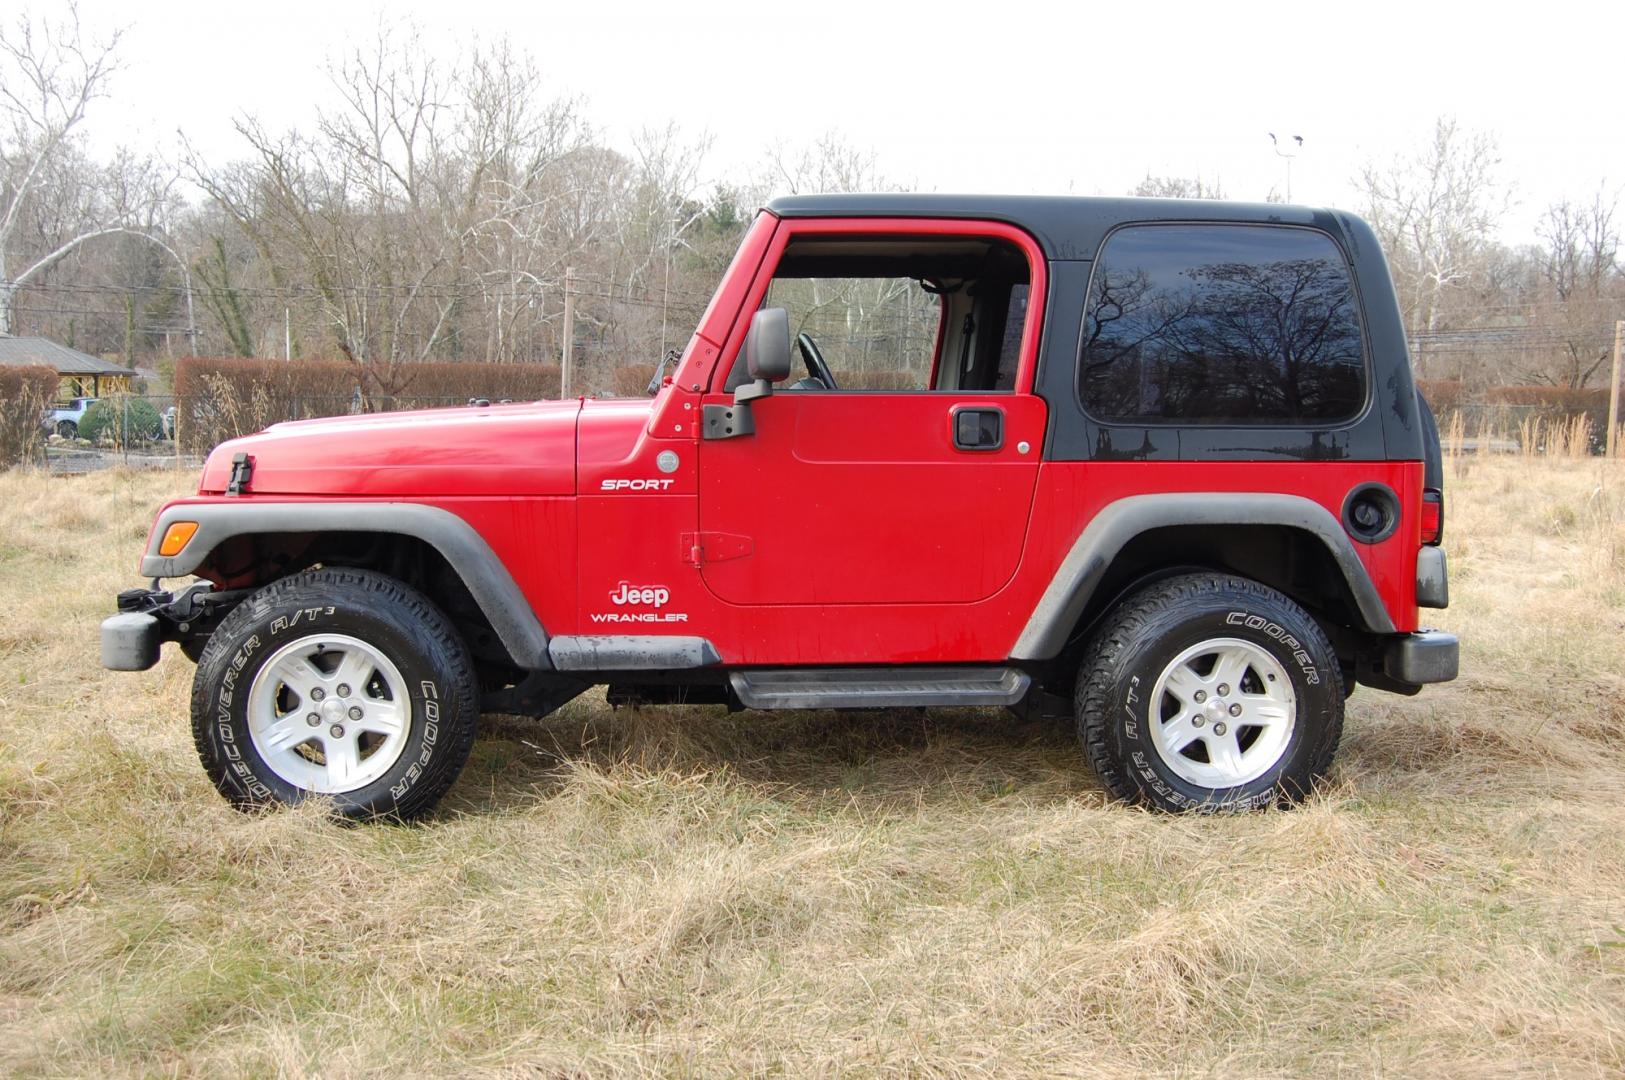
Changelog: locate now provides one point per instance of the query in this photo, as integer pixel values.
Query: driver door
(894, 486)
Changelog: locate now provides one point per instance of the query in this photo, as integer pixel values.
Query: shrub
(1444, 395)
(1576, 417)
(220, 399)
(631, 381)
(1555, 398)
(428, 384)
(24, 394)
(878, 380)
(120, 419)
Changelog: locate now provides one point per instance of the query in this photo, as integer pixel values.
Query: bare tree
(1582, 244)
(53, 198)
(433, 214)
(1579, 266)
(829, 164)
(1434, 210)
(1177, 187)
(49, 76)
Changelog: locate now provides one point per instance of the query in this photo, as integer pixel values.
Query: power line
(389, 296)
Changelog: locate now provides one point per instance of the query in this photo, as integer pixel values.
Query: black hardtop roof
(1066, 227)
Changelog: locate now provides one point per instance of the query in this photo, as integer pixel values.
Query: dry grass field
(946, 894)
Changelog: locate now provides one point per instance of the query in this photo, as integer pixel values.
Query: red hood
(520, 450)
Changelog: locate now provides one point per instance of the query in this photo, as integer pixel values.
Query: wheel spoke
(285, 733)
(1263, 712)
(343, 760)
(1178, 732)
(381, 718)
(355, 670)
(1229, 668)
(1183, 683)
(298, 674)
(1225, 753)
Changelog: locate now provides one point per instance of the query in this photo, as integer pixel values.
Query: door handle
(978, 427)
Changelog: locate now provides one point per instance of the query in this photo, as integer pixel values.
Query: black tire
(1145, 636)
(384, 615)
(67, 429)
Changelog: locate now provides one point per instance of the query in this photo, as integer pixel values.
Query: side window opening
(873, 333)
(900, 313)
(1221, 324)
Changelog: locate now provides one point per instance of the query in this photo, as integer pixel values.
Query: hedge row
(459, 382)
(25, 392)
(279, 379)
(1443, 395)
(328, 379)
(1559, 398)
(222, 398)
(1446, 394)
(1511, 409)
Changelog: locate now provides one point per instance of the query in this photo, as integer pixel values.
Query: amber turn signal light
(176, 537)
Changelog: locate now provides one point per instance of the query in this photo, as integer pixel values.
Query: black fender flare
(1119, 522)
(463, 548)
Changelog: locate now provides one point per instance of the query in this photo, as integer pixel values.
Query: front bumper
(149, 617)
(1427, 656)
(130, 641)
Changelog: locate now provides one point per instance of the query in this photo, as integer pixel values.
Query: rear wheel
(1209, 692)
(338, 683)
(67, 429)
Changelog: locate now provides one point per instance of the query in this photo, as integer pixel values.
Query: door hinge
(727, 421)
(700, 548)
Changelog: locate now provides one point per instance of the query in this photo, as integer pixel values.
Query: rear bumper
(1427, 656)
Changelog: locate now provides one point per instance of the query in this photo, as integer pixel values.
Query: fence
(1526, 429)
(135, 431)
(163, 431)
(1518, 429)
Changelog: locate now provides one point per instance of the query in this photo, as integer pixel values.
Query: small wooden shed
(82, 375)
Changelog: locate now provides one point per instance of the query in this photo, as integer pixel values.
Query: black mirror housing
(767, 345)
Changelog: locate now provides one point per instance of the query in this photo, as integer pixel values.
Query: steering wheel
(816, 367)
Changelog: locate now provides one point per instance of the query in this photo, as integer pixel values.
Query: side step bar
(878, 687)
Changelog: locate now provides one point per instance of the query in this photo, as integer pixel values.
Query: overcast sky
(994, 97)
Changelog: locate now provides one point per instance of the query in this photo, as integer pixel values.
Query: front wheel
(1209, 692)
(338, 683)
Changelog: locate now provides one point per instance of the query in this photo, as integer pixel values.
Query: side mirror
(767, 346)
(767, 359)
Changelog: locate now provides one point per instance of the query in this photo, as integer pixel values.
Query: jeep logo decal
(654, 595)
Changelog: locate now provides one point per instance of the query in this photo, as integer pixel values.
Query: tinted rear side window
(1221, 324)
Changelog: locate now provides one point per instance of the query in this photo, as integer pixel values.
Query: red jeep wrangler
(1158, 465)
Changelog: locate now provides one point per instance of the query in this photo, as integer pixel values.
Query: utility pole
(569, 332)
(1613, 389)
(287, 334)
